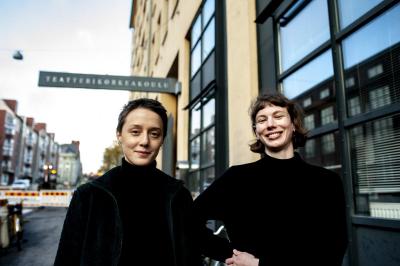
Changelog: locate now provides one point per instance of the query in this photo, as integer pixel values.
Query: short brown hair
(295, 113)
(150, 104)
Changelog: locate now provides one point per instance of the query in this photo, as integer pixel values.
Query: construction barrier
(42, 198)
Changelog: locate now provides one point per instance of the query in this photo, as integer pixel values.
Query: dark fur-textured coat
(93, 233)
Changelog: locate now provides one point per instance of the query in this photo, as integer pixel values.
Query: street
(42, 231)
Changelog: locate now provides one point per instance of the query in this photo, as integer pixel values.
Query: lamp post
(47, 171)
(18, 55)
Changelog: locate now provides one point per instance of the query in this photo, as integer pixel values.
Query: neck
(281, 154)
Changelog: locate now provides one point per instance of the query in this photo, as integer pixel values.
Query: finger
(229, 261)
(236, 252)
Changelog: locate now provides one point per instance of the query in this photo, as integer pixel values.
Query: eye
(155, 134)
(261, 120)
(135, 132)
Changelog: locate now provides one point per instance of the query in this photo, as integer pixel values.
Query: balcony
(28, 160)
(9, 131)
(7, 152)
(29, 142)
(7, 166)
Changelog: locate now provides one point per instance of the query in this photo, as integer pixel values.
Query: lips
(274, 135)
(143, 153)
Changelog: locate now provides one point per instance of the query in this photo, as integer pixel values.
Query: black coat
(284, 212)
(93, 232)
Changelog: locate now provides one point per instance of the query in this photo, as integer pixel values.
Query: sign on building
(108, 82)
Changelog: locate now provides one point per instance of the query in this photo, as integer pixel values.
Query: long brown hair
(295, 112)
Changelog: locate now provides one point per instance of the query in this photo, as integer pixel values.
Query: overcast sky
(90, 36)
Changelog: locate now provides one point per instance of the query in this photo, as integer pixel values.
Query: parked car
(22, 184)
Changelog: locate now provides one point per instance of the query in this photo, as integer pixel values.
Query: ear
(119, 137)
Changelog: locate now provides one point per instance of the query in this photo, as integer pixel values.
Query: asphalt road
(41, 235)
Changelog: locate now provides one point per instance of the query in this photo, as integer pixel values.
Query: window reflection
(195, 153)
(208, 148)
(373, 70)
(318, 70)
(376, 174)
(209, 39)
(385, 31)
(322, 151)
(195, 59)
(208, 11)
(350, 10)
(196, 30)
(302, 35)
(209, 113)
(195, 121)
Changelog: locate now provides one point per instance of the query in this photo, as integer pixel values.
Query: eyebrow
(140, 126)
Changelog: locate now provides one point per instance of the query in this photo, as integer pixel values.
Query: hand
(242, 259)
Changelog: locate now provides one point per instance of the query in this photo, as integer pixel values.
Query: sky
(90, 37)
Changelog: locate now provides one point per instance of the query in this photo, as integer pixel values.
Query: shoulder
(323, 174)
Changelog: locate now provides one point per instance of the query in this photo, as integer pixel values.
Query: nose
(144, 141)
(270, 122)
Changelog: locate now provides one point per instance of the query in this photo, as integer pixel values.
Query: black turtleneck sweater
(140, 199)
(284, 212)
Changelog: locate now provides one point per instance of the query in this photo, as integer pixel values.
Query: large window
(374, 64)
(202, 96)
(306, 75)
(364, 51)
(202, 59)
(202, 144)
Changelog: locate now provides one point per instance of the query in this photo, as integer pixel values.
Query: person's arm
(211, 205)
(336, 227)
(70, 246)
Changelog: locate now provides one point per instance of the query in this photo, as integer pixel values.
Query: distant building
(70, 166)
(28, 148)
(10, 126)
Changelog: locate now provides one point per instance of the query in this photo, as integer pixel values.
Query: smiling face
(141, 136)
(274, 128)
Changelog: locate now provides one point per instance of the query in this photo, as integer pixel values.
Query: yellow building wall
(242, 77)
(170, 43)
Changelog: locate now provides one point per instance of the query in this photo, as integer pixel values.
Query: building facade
(10, 128)
(339, 59)
(70, 166)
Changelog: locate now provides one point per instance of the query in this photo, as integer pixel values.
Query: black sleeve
(337, 244)
(71, 240)
(211, 205)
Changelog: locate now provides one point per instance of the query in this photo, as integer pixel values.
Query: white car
(22, 184)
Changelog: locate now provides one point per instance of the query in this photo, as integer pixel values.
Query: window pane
(318, 70)
(195, 121)
(194, 183)
(195, 153)
(323, 151)
(208, 149)
(196, 59)
(375, 153)
(208, 11)
(350, 10)
(385, 31)
(373, 80)
(196, 30)
(207, 176)
(302, 35)
(209, 113)
(208, 39)
(327, 115)
(309, 122)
